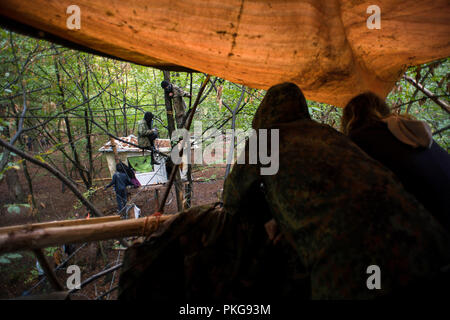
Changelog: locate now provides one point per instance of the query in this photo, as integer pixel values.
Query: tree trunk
(12, 177)
(30, 186)
(189, 184)
(171, 127)
(14, 186)
(114, 148)
(76, 159)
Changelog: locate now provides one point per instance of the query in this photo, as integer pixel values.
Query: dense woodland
(59, 106)
(57, 103)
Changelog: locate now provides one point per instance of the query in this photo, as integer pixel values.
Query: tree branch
(444, 106)
(57, 174)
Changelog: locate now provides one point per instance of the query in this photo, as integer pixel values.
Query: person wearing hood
(405, 146)
(120, 181)
(147, 135)
(176, 94)
(341, 210)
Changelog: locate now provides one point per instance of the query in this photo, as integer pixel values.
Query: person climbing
(405, 146)
(120, 180)
(343, 212)
(178, 104)
(147, 135)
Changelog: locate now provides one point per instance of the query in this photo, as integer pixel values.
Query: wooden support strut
(54, 224)
(51, 236)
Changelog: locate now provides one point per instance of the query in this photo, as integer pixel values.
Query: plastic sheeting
(324, 46)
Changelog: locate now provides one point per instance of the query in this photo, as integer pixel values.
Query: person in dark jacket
(120, 180)
(406, 147)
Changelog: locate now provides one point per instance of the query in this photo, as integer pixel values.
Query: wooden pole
(54, 224)
(46, 237)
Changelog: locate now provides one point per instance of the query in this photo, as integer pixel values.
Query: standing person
(147, 135)
(405, 146)
(178, 104)
(120, 181)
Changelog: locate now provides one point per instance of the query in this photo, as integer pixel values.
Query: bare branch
(429, 94)
(57, 174)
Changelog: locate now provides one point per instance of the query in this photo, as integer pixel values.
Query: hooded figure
(120, 181)
(405, 146)
(147, 135)
(342, 211)
(178, 104)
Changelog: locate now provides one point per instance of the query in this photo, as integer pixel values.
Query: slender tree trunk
(88, 126)
(189, 185)
(69, 130)
(29, 181)
(233, 127)
(171, 127)
(30, 184)
(114, 148)
(125, 119)
(14, 186)
(12, 177)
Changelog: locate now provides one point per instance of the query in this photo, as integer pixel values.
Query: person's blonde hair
(365, 108)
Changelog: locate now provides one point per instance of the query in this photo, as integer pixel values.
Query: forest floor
(19, 273)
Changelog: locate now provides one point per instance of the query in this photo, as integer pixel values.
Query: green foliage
(50, 251)
(325, 113)
(435, 77)
(15, 207)
(206, 179)
(88, 194)
(70, 91)
(33, 275)
(6, 258)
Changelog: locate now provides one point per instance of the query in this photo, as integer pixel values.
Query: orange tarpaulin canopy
(324, 46)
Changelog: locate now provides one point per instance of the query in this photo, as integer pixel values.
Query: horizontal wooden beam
(54, 224)
(25, 239)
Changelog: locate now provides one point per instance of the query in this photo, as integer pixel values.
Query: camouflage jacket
(143, 134)
(178, 104)
(205, 254)
(341, 210)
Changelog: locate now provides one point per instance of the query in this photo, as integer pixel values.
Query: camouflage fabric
(204, 254)
(178, 104)
(341, 210)
(143, 133)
